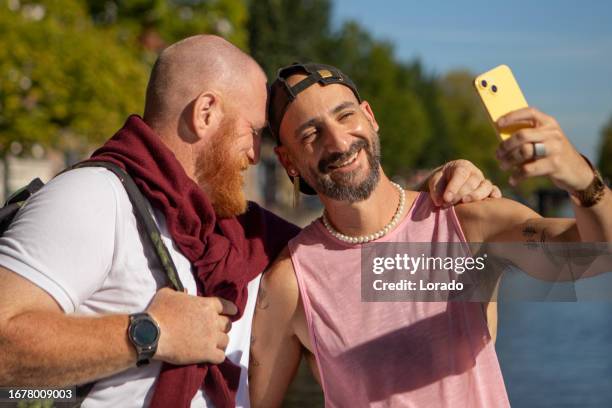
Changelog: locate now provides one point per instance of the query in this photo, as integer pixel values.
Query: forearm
(272, 368)
(54, 349)
(595, 223)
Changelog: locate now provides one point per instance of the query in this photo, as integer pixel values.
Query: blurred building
(17, 171)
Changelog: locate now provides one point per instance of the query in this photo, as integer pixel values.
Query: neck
(367, 216)
(182, 151)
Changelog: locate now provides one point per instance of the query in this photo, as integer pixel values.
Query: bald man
(82, 297)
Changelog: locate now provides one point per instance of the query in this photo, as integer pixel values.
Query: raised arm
(275, 347)
(540, 148)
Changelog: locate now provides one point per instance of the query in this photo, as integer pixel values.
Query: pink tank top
(393, 354)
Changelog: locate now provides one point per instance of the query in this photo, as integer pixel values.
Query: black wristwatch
(143, 332)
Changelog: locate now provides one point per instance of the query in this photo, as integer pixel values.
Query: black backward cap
(282, 94)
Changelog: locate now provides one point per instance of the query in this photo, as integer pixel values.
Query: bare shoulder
(483, 220)
(279, 288)
(280, 275)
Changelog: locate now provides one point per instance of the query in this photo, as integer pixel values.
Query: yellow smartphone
(500, 94)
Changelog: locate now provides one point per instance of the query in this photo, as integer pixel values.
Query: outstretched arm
(534, 241)
(540, 148)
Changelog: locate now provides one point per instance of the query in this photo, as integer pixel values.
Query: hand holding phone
(532, 143)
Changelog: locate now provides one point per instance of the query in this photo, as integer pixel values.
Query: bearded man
(79, 279)
(392, 354)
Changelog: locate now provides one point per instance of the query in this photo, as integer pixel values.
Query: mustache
(337, 158)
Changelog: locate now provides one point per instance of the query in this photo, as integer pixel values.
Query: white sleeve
(63, 239)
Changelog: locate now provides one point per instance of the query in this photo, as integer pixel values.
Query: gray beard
(340, 186)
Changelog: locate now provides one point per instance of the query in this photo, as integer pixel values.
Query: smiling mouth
(346, 162)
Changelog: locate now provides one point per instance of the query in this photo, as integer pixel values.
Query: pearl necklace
(371, 237)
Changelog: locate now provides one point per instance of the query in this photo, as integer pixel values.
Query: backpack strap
(16, 201)
(144, 217)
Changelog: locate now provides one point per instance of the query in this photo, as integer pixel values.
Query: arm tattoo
(529, 232)
(252, 360)
(538, 241)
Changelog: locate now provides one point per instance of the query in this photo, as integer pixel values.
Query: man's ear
(367, 110)
(283, 156)
(207, 112)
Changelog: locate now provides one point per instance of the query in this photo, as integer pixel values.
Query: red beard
(219, 172)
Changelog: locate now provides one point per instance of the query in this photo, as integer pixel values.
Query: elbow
(7, 377)
(9, 357)
(262, 403)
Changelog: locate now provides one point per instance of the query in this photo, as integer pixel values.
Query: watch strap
(594, 192)
(144, 354)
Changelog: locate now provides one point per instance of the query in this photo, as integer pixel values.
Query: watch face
(145, 333)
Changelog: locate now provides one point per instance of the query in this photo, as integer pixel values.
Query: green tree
(468, 132)
(72, 70)
(281, 32)
(153, 24)
(605, 151)
(65, 83)
(284, 31)
(463, 130)
(390, 87)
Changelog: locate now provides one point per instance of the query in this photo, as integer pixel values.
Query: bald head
(192, 66)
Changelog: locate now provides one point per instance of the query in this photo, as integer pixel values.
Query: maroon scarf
(226, 253)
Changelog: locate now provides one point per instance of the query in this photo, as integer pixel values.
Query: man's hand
(540, 148)
(460, 181)
(193, 329)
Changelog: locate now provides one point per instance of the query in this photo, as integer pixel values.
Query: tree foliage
(390, 88)
(65, 83)
(153, 24)
(281, 32)
(72, 71)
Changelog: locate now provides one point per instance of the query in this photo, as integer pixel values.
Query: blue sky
(560, 51)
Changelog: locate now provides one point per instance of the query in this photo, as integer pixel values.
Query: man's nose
(254, 151)
(337, 139)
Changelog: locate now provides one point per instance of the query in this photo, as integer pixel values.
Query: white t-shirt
(78, 239)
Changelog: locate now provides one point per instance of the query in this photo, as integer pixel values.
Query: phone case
(500, 94)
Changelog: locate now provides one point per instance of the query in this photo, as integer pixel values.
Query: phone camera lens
(483, 83)
(494, 88)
